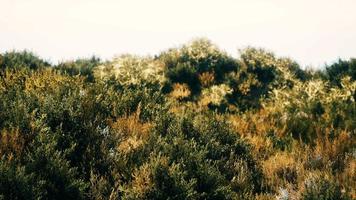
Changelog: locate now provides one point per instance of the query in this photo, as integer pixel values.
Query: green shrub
(198, 160)
(53, 176)
(83, 67)
(14, 182)
(336, 71)
(21, 59)
(185, 64)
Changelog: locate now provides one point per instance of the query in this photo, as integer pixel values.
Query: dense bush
(190, 158)
(323, 189)
(131, 70)
(185, 64)
(340, 69)
(83, 67)
(260, 72)
(21, 59)
(190, 123)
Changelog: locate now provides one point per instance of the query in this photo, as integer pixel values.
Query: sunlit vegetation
(192, 122)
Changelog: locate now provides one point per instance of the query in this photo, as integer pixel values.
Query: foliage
(196, 159)
(21, 59)
(186, 64)
(260, 72)
(340, 69)
(131, 70)
(322, 188)
(83, 67)
(189, 123)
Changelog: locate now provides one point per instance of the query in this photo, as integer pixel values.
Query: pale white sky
(310, 31)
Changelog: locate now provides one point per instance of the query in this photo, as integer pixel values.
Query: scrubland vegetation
(189, 123)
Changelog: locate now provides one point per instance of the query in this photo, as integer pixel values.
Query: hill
(189, 123)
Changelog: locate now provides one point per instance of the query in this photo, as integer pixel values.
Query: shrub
(338, 70)
(323, 189)
(191, 123)
(14, 182)
(131, 70)
(188, 63)
(22, 59)
(200, 160)
(83, 67)
(260, 72)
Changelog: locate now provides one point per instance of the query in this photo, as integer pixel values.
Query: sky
(312, 32)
